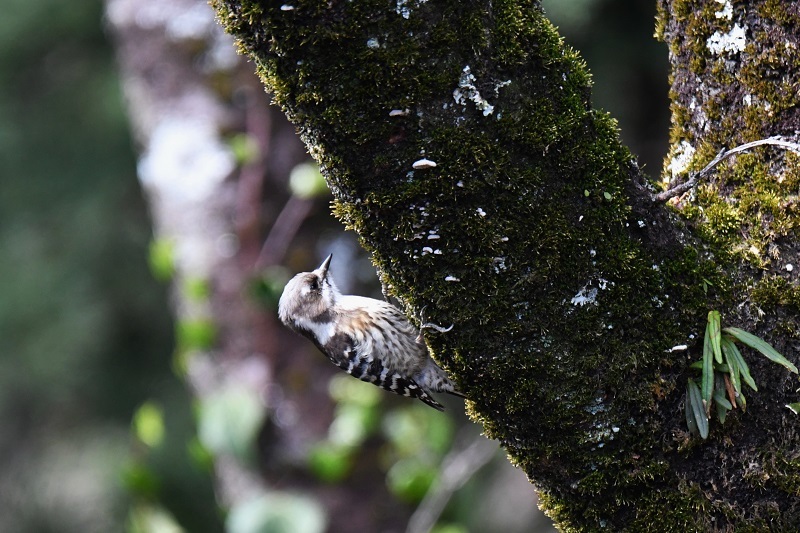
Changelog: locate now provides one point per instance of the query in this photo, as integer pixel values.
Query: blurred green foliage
(413, 438)
(278, 512)
(162, 259)
(85, 332)
(306, 181)
(229, 421)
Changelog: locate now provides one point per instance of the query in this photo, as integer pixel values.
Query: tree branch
(723, 154)
(457, 468)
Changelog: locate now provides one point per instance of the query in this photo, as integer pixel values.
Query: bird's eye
(314, 284)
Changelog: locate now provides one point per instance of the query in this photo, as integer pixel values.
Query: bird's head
(309, 297)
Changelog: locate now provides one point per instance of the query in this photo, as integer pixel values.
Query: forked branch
(695, 177)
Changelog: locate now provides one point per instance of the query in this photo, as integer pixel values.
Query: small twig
(721, 156)
(457, 468)
(283, 230)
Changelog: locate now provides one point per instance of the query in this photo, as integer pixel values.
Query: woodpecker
(369, 339)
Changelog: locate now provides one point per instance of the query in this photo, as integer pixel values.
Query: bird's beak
(323, 268)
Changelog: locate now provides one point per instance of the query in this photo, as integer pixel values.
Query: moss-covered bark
(535, 236)
(735, 79)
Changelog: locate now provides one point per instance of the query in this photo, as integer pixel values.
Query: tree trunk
(537, 236)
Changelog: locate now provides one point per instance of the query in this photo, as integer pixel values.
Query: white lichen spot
(423, 163)
(592, 253)
(727, 10)
(287, 7)
(682, 156)
(481, 212)
(437, 252)
(399, 112)
(747, 100)
(433, 237)
(734, 41)
(615, 429)
(427, 250)
(466, 90)
(460, 183)
(500, 85)
(789, 267)
(402, 9)
(503, 239)
(585, 296)
(588, 294)
(451, 278)
(641, 223)
(373, 43)
(580, 218)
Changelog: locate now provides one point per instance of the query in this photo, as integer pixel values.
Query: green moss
(784, 470)
(774, 290)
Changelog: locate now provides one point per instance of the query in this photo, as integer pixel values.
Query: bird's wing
(349, 355)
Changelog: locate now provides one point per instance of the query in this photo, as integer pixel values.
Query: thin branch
(721, 156)
(457, 468)
(286, 226)
(252, 174)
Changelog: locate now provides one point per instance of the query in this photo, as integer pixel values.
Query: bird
(372, 340)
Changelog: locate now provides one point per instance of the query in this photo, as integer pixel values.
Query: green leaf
(228, 422)
(148, 423)
(141, 480)
(162, 259)
(244, 147)
(744, 370)
(148, 518)
(277, 512)
(742, 401)
(712, 329)
(762, 346)
(690, 423)
(195, 334)
(721, 400)
(306, 181)
(697, 365)
(698, 410)
(329, 462)
(795, 407)
(410, 479)
(727, 349)
(708, 371)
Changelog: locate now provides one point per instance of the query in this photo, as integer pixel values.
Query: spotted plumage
(367, 338)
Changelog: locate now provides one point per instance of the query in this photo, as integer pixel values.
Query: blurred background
(107, 418)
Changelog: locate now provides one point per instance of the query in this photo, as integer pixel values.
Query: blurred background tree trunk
(215, 164)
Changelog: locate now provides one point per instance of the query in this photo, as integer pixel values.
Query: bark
(536, 236)
(189, 96)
